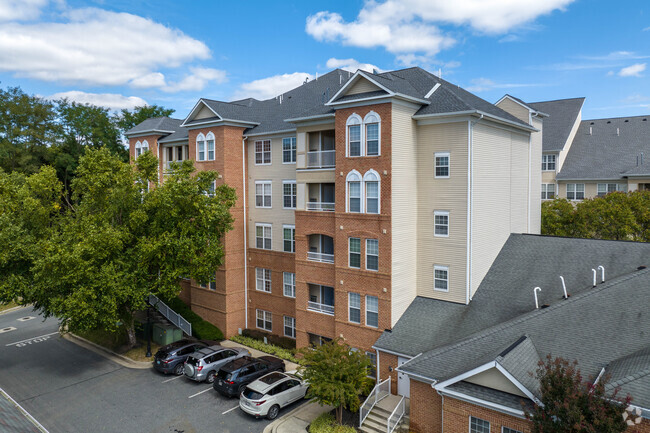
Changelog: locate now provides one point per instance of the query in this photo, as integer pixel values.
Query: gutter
(480, 114)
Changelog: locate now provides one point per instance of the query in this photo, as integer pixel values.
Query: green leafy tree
(127, 119)
(559, 218)
(572, 405)
(608, 217)
(337, 375)
(121, 237)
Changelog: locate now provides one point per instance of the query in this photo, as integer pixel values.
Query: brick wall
(426, 410)
(388, 362)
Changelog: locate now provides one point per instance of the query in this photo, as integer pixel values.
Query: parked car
(233, 377)
(204, 363)
(268, 394)
(170, 358)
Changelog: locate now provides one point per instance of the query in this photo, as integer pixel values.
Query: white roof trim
(484, 403)
(306, 118)
(195, 110)
(390, 352)
(470, 373)
(354, 79)
(433, 89)
(516, 383)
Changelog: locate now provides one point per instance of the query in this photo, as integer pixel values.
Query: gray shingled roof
(631, 374)
(524, 262)
(562, 115)
(155, 124)
(481, 392)
(519, 360)
(603, 154)
(595, 328)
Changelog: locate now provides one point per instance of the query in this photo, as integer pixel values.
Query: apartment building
(356, 193)
(587, 158)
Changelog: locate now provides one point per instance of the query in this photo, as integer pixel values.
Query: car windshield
(252, 395)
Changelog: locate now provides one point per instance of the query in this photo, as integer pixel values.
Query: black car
(170, 358)
(233, 377)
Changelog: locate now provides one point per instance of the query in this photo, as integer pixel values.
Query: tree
(559, 218)
(121, 238)
(337, 375)
(126, 119)
(571, 405)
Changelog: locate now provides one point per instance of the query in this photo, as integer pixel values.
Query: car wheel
(179, 369)
(273, 412)
(210, 378)
(240, 389)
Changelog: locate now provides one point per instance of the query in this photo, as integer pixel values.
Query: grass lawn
(7, 306)
(116, 341)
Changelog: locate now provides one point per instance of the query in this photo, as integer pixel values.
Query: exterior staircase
(377, 419)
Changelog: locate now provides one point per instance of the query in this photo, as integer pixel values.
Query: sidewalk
(298, 419)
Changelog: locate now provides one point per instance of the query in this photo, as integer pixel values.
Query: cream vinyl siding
(591, 188)
(275, 172)
(441, 194)
(500, 161)
(404, 210)
(494, 379)
(547, 176)
(536, 178)
(567, 146)
(362, 86)
(204, 113)
(515, 109)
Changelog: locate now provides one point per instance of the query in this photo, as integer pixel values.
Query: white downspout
(245, 187)
(470, 200)
(530, 170)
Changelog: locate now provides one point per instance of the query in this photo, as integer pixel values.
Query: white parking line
(229, 410)
(27, 414)
(173, 378)
(33, 338)
(198, 393)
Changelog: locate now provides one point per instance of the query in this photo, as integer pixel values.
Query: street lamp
(148, 354)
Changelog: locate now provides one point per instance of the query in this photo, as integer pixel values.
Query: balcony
(320, 206)
(320, 197)
(320, 257)
(321, 249)
(321, 299)
(321, 308)
(321, 159)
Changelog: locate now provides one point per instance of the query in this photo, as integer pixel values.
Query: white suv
(266, 395)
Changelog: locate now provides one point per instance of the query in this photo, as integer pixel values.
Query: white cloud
(633, 70)
(350, 65)
(98, 47)
(112, 101)
(154, 79)
(486, 84)
(413, 26)
(269, 87)
(510, 38)
(197, 80)
(11, 10)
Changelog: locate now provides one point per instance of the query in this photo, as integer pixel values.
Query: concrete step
(368, 429)
(381, 412)
(374, 424)
(381, 419)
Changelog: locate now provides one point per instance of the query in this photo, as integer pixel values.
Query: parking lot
(70, 389)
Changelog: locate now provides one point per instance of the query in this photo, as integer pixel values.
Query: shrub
(201, 329)
(326, 424)
(283, 342)
(266, 348)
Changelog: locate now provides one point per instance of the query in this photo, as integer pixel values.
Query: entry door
(403, 384)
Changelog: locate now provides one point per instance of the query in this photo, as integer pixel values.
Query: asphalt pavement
(69, 389)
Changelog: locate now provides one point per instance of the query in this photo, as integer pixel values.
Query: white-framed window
(354, 253)
(353, 135)
(354, 307)
(263, 280)
(477, 425)
(289, 194)
(548, 191)
(575, 191)
(441, 169)
(605, 188)
(263, 236)
(209, 141)
(140, 148)
(371, 181)
(263, 152)
(200, 148)
(372, 254)
(548, 162)
(289, 326)
(509, 430)
(212, 286)
(441, 223)
(353, 186)
(263, 193)
(372, 356)
(372, 131)
(289, 150)
(264, 320)
(441, 278)
(372, 311)
(289, 238)
(289, 283)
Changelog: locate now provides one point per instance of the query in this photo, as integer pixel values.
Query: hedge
(201, 329)
(326, 424)
(266, 348)
(283, 342)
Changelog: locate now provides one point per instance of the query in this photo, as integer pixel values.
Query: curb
(109, 354)
(13, 309)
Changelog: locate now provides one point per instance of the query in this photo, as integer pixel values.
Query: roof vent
(566, 295)
(590, 131)
(375, 71)
(592, 123)
(645, 120)
(609, 121)
(618, 131)
(640, 268)
(535, 290)
(626, 120)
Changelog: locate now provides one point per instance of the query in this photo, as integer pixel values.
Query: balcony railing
(321, 159)
(321, 308)
(320, 206)
(320, 257)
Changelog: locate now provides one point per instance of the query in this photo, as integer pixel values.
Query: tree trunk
(339, 414)
(130, 332)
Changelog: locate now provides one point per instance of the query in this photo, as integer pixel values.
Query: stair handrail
(373, 398)
(401, 405)
(171, 315)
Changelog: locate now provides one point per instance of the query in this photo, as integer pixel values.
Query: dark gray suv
(204, 363)
(170, 358)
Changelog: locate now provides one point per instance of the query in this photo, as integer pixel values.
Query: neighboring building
(357, 193)
(587, 158)
(467, 368)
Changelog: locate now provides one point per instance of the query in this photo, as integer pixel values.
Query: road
(69, 389)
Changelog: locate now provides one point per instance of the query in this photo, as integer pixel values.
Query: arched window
(209, 139)
(353, 135)
(138, 149)
(372, 134)
(200, 148)
(145, 147)
(354, 192)
(371, 182)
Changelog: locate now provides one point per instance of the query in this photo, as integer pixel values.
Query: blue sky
(126, 53)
